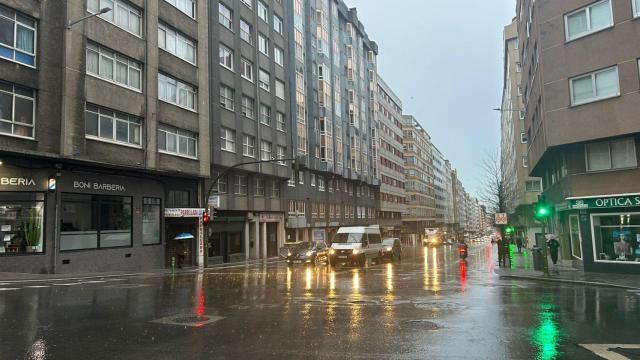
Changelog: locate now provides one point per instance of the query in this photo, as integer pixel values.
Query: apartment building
(418, 163)
(522, 190)
(440, 189)
(581, 94)
(103, 133)
(250, 124)
(333, 127)
(390, 164)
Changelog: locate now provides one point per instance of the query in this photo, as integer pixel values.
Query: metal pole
(544, 248)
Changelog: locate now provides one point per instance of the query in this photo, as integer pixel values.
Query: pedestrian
(519, 244)
(553, 244)
(500, 251)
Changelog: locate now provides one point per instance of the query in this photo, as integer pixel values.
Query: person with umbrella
(554, 245)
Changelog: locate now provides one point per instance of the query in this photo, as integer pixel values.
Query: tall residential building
(459, 225)
(581, 94)
(390, 165)
(418, 162)
(104, 133)
(449, 217)
(333, 128)
(522, 190)
(440, 190)
(250, 119)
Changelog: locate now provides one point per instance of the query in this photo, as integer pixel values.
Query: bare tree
(495, 192)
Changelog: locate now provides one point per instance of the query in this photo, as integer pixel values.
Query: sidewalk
(522, 268)
(8, 277)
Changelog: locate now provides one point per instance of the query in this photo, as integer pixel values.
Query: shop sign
(270, 217)
(605, 202)
(17, 179)
(88, 185)
(214, 201)
(501, 219)
(182, 212)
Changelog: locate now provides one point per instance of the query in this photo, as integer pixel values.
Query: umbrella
(184, 236)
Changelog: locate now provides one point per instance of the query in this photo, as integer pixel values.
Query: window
(226, 57)
(178, 199)
(522, 114)
(94, 222)
(123, 14)
(177, 142)
(106, 124)
(225, 16)
(228, 140)
(249, 146)
(518, 67)
(17, 110)
(22, 210)
(636, 8)
(275, 189)
(246, 32)
(575, 236)
(312, 180)
(240, 185)
(533, 186)
(278, 55)
(263, 11)
(596, 86)
(221, 186)
(278, 24)
(227, 97)
(263, 44)
(280, 122)
(247, 107)
(246, 69)
(301, 177)
(281, 153)
(265, 114)
(264, 80)
(176, 92)
(248, 3)
(608, 155)
(151, 218)
(186, 6)
(525, 161)
(280, 89)
(321, 184)
(523, 137)
(265, 150)
(176, 44)
(17, 37)
(114, 67)
(259, 186)
(588, 20)
(615, 237)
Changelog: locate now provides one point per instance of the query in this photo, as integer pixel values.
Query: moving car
(355, 245)
(306, 252)
(392, 249)
(433, 237)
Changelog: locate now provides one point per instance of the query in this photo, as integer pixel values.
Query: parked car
(306, 252)
(392, 249)
(355, 245)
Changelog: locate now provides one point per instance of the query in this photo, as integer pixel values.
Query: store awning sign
(605, 202)
(182, 212)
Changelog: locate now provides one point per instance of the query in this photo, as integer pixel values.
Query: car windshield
(387, 242)
(349, 238)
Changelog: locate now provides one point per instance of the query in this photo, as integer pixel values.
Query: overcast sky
(444, 60)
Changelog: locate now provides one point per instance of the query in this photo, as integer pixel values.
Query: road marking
(9, 289)
(67, 284)
(604, 350)
(37, 286)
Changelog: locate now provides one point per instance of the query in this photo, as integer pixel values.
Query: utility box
(538, 258)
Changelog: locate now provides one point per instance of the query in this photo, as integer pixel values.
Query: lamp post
(102, 11)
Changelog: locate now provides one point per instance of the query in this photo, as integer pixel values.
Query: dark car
(306, 252)
(392, 249)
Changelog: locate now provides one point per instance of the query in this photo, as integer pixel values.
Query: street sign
(501, 219)
(214, 201)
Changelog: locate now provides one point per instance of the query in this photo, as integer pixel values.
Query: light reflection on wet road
(430, 306)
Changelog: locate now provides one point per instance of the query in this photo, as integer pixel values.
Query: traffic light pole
(545, 249)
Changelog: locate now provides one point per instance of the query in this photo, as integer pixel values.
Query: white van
(354, 245)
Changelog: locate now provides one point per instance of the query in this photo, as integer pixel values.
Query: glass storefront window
(21, 223)
(151, 208)
(617, 237)
(576, 237)
(94, 221)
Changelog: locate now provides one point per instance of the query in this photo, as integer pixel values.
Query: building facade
(581, 95)
(390, 166)
(250, 112)
(440, 187)
(333, 126)
(523, 190)
(104, 129)
(418, 163)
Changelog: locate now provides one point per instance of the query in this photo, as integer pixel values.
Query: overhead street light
(102, 11)
(509, 110)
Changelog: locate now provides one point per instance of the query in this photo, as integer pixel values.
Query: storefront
(604, 232)
(185, 237)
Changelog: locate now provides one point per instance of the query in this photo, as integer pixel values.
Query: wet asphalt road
(430, 306)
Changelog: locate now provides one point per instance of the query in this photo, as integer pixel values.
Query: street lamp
(102, 11)
(509, 110)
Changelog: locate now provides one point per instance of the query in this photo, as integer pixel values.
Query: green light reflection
(546, 337)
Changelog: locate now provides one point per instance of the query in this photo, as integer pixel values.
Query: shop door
(184, 251)
(272, 239)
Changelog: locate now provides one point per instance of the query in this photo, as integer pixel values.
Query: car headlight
(356, 251)
(289, 253)
(309, 253)
(332, 251)
(389, 249)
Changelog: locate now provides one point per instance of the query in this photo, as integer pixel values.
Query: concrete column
(282, 234)
(297, 235)
(247, 245)
(256, 241)
(264, 240)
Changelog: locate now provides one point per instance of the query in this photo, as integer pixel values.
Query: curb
(567, 281)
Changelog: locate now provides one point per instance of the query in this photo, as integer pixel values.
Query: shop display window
(151, 217)
(21, 223)
(94, 222)
(617, 237)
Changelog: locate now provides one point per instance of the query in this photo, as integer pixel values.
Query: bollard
(173, 265)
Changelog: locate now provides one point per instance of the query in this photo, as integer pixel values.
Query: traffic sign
(501, 219)
(214, 201)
